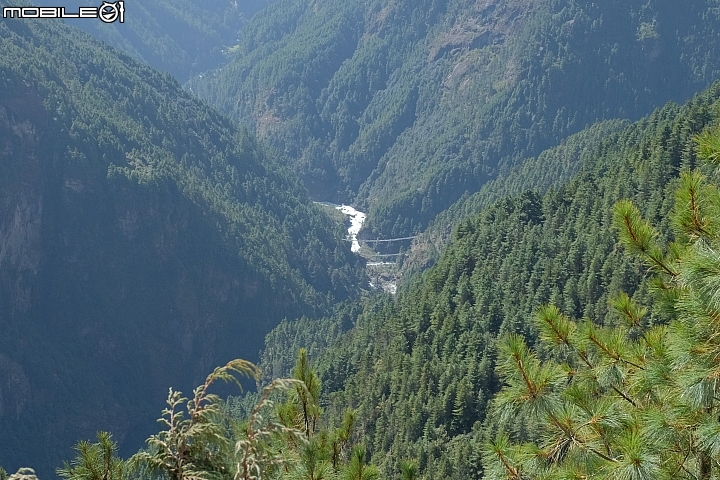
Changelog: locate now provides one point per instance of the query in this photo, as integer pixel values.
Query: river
(357, 218)
(383, 278)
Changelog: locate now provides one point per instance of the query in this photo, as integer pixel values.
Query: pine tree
(357, 469)
(267, 446)
(306, 398)
(319, 454)
(633, 400)
(95, 461)
(408, 470)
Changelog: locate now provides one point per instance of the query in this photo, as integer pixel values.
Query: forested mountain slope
(420, 367)
(404, 105)
(182, 37)
(552, 168)
(144, 239)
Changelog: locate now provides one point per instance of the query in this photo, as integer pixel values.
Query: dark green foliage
(307, 399)
(275, 440)
(405, 106)
(265, 446)
(207, 444)
(420, 368)
(552, 168)
(632, 400)
(144, 238)
(358, 469)
(314, 335)
(408, 469)
(95, 461)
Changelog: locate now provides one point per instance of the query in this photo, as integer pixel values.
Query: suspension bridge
(382, 240)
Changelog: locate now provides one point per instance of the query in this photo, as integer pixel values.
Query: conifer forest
(360, 239)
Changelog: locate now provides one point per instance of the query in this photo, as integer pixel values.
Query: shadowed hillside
(403, 106)
(144, 239)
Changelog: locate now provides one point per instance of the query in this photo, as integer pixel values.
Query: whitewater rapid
(384, 280)
(357, 218)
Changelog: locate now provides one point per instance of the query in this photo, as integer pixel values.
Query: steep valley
(150, 231)
(403, 107)
(419, 368)
(144, 239)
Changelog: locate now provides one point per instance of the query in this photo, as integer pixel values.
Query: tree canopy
(632, 399)
(405, 106)
(419, 368)
(134, 219)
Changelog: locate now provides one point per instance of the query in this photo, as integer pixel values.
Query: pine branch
(638, 235)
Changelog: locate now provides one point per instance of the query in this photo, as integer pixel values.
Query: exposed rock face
(14, 388)
(21, 212)
(108, 291)
(118, 282)
(24, 474)
(144, 240)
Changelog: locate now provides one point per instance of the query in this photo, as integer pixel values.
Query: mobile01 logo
(108, 12)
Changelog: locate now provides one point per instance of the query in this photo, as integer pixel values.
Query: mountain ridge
(419, 368)
(144, 239)
(403, 106)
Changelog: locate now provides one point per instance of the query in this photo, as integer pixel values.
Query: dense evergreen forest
(420, 368)
(412, 382)
(143, 239)
(552, 168)
(558, 316)
(403, 106)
